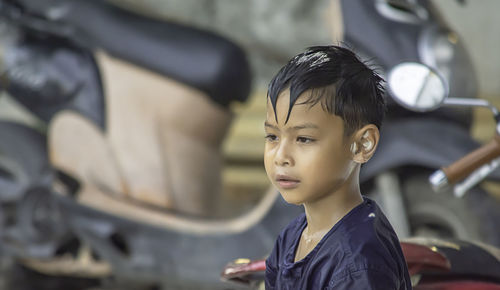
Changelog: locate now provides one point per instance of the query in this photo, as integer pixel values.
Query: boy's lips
(286, 181)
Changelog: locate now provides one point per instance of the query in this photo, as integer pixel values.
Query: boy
(324, 112)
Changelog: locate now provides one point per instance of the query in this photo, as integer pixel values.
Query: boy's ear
(364, 143)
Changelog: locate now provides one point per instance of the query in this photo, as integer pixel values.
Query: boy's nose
(283, 156)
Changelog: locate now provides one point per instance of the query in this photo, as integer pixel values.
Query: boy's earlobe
(368, 137)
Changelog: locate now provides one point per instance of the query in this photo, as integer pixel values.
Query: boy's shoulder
(367, 223)
(369, 243)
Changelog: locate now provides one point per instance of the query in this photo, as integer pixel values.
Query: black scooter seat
(198, 58)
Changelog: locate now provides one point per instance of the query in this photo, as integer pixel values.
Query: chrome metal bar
(456, 102)
(470, 102)
(460, 189)
(467, 102)
(438, 180)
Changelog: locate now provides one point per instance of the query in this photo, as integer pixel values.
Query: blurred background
(270, 42)
(209, 96)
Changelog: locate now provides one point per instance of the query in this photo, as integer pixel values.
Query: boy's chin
(290, 198)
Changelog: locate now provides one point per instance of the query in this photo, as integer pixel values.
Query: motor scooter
(432, 263)
(414, 145)
(54, 218)
(64, 220)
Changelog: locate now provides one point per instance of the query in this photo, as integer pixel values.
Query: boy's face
(308, 157)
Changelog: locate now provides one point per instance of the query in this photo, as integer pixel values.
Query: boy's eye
(271, 137)
(305, 140)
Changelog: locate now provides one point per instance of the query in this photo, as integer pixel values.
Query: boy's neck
(323, 214)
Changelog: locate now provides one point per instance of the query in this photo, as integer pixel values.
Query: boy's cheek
(269, 153)
(268, 166)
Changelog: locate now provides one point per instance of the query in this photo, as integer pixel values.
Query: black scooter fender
(424, 142)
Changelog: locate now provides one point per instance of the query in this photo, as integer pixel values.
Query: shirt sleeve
(367, 279)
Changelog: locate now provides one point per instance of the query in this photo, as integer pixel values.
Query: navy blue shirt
(361, 251)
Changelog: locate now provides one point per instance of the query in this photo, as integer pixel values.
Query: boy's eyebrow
(305, 126)
(266, 124)
(298, 127)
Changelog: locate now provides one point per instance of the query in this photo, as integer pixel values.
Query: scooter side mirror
(417, 87)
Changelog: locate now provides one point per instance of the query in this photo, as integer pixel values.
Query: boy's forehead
(283, 102)
(282, 105)
(300, 112)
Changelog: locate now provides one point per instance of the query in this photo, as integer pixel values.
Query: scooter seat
(195, 57)
(471, 260)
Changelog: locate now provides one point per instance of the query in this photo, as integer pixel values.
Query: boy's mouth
(286, 182)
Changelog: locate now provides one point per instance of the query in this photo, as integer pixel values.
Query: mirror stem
(456, 102)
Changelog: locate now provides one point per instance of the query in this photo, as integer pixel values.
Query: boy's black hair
(334, 75)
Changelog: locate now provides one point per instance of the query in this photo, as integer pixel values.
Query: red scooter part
(422, 258)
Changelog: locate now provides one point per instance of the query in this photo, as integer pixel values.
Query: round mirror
(417, 87)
